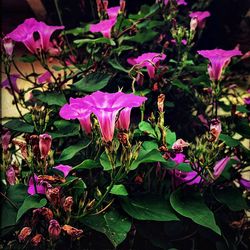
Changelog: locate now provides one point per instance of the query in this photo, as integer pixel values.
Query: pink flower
(6, 84)
(44, 78)
(201, 17)
(181, 2)
(179, 158)
(149, 60)
(220, 165)
(11, 175)
(44, 145)
(25, 33)
(65, 169)
(219, 60)
(104, 26)
(113, 12)
(179, 145)
(106, 107)
(8, 46)
(191, 178)
(6, 135)
(41, 186)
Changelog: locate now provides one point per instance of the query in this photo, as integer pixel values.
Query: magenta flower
(11, 175)
(8, 46)
(149, 60)
(220, 165)
(181, 2)
(41, 186)
(104, 26)
(245, 183)
(25, 33)
(201, 17)
(5, 139)
(219, 60)
(191, 178)
(6, 84)
(44, 78)
(179, 158)
(113, 12)
(45, 141)
(105, 106)
(65, 169)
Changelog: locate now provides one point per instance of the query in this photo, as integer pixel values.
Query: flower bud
(179, 145)
(105, 5)
(54, 229)
(67, 205)
(25, 232)
(11, 175)
(53, 195)
(215, 129)
(8, 45)
(34, 142)
(193, 23)
(44, 145)
(160, 102)
(122, 5)
(72, 231)
(36, 240)
(6, 140)
(140, 79)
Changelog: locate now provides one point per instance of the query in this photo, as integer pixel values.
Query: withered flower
(54, 229)
(36, 240)
(72, 231)
(53, 195)
(67, 205)
(25, 232)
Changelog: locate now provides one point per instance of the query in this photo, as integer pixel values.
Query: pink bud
(6, 140)
(139, 79)
(8, 45)
(11, 175)
(179, 145)
(105, 5)
(193, 23)
(54, 229)
(122, 5)
(44, 145)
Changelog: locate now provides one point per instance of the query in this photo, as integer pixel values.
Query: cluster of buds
(40, 117)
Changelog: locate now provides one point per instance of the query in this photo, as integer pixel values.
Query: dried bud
(25, 232)
(193, 23)
(34, 142)
(72, 231)
(36, 240)
(123, 138)
(23, 147)
(8, 45)
(179, 145)
(54, 229)
(140, 79)
(155, 87)
(42, 213)
(11, 175)
(6, 140)
(53, 195)
(105, 5)
(215, 129)
(44, 145)
(67, 205)
(138, 180)
(160, 102)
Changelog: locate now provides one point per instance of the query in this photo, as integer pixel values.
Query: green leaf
(147, 157)
(229, 141)
(142, 37)
(243, 128)
(16, 194)
(191, 205)
(149, 145)
(51, 98)
(32, 201)
(119, 189)
(149, 207)
(100, 40)
(116, 65)
(185, 167)
(69, 152)
(147, 128)
(19, 125)
(113, 224)
(180, 85)
(27, 59)
(170, 137)
(122, 48)
(65, 129)
(232, 198)
(92, 82)
(106, 163)
(75, 32)
(86, 164)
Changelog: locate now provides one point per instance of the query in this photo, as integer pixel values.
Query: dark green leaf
(191, 205)
(114, 225)
(92, 82)
(229, 141)
(100, 40)
(32, 201)
(65, 129)
(180, 85)
(149, 207)
(119, 189)
(86, 164)
(51, 98)
(142, 37)
(106, 163)
(170, 137)
(116, 65)
(19, 125)
(27, 59)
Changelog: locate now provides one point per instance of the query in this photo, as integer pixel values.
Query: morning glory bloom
(113, 12)
(65, 169)
(104, 27)
(219, 59)
(106, 107)
(25, 33)
(6, 84)
(149, 60)
(201, 17)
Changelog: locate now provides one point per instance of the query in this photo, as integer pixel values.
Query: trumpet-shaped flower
(220, 165)
(201, 17)
(25, 33)
(106, 107)
(219, 60)
(104, 26)
(65, 169)
(6, 84)
(149, 60)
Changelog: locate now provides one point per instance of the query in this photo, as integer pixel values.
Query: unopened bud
(160, 102)
(67, 205)
(140, 79)
(72, 231)
(193, 23)
(36, 240)
(105, 5)
(53, 195)
(11, 175)
(122, 5)
(8, 45)
(54, 229)
(44, 145)
(25, 232)
(215, 129)
(179, 145)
